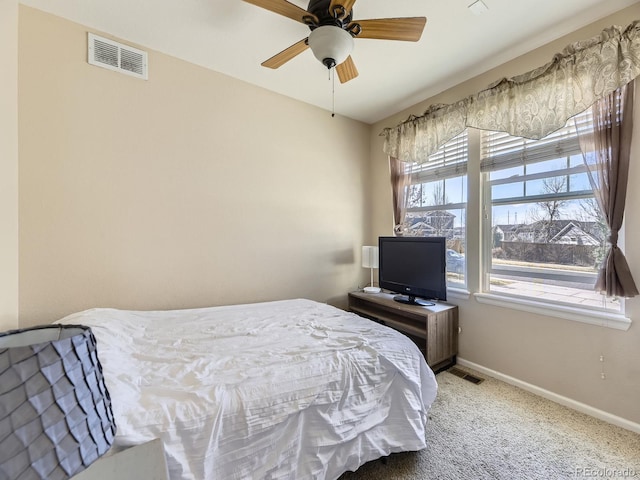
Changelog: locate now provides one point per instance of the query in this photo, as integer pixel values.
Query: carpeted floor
(495, 431)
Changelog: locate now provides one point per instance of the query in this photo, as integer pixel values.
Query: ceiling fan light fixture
(331, 45)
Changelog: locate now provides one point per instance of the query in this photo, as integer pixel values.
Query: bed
(291, 389)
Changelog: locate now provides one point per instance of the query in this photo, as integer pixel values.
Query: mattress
(291, 389)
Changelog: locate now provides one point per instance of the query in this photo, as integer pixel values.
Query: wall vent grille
(117, 56)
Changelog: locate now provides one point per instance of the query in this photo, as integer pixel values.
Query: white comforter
(282, 390)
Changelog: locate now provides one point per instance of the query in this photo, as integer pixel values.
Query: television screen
(414, 267)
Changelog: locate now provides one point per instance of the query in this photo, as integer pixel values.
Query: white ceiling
(234, 37)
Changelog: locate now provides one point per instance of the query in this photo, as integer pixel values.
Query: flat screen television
(414, 267)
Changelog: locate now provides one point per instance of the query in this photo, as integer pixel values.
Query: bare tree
(591, 220)
(439, 220)
(415, 195)
(550, 210)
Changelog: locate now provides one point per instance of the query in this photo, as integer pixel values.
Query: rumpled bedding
(291, 389)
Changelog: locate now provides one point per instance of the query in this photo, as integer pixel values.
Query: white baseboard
(554, 397)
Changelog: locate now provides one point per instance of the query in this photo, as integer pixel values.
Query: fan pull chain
(333, 92)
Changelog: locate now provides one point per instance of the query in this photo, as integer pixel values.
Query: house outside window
(543, 235)
(437, 203)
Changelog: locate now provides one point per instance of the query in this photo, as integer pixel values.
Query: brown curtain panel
(606, 152)
(400, 179)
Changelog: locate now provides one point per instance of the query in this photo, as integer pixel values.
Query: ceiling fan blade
(408, 29)
(285, 8)
(347, 70)
(287, 54)
(346, 4)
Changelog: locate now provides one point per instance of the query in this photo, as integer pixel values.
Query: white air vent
(116, 56)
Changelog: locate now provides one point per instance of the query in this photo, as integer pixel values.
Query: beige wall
(560, 356)
(8, 164)
(189, 189)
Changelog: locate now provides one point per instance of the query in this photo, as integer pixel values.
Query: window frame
(475, 245)
(445, 164)
(583, 313)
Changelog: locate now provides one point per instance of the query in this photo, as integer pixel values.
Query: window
(437, 203)
(542, 238)
(543, 234)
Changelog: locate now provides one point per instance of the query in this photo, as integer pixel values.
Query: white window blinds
(449, 161)
(501, 150)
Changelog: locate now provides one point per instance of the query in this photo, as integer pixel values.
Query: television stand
(412, 300)
(434, 329)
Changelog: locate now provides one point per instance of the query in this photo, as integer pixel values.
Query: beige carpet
(496, 431)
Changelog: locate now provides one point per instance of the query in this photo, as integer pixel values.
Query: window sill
(601, 319)
(458, 293)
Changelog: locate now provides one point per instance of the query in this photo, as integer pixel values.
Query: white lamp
(370, 260)
(331, 45)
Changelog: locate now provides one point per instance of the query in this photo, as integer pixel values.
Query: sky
(509, 185)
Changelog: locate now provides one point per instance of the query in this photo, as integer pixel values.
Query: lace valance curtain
(531, 105)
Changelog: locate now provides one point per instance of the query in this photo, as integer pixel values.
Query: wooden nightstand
(434, 329)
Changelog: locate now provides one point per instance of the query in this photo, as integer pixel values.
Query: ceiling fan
(333, 30)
